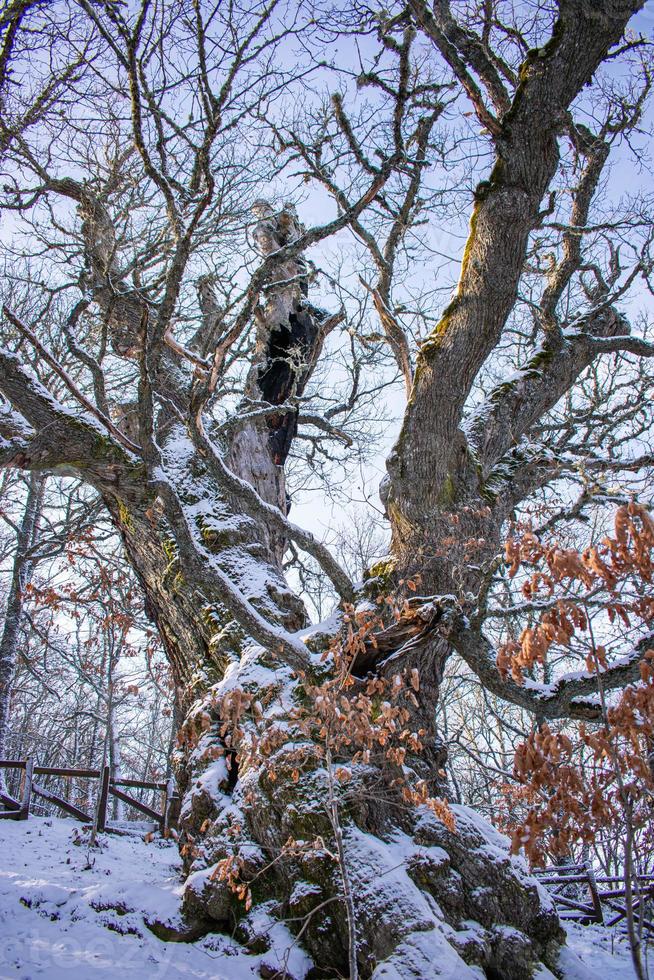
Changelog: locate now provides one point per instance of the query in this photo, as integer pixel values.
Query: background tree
(21, 575)
(88, 682)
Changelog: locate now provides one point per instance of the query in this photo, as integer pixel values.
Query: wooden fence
(19, 809)
(606, 905)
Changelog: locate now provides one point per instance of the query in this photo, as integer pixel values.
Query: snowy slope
(63, 920)
(67, 913)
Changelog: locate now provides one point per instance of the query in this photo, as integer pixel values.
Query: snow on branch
(208, 574)
(58, 436)
(273, 516)
(570, 696)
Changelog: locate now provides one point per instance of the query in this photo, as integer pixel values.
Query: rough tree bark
(202, 511)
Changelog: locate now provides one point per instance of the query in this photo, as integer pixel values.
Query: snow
(68, 912)
(496, 846)
(603, 954)
(549, 690)
(424, 954)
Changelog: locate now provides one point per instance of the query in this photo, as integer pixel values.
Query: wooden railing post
(594, 894)
(18, 809)
(13, 805)
(101, 818)
(171, 800)
(26, 789)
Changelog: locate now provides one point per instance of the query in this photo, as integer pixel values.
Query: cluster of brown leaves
(460, 547)
(342, 722)
(576, 783)
(193, 727)
(571, 789)
(230, 870)
(233, 869)
(628, 554)
(367, 721)
(348, 720)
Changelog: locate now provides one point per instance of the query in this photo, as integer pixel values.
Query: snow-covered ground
(67, 913)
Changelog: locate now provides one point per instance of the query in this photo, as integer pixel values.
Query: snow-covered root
(429, 901)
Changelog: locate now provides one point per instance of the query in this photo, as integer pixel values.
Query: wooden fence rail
(18, 809)
(556, 879)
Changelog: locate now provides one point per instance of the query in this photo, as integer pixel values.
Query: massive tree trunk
(280, 827)
(429, 900)
(263, 809)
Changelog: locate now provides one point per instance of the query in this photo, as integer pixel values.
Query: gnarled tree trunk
(258, 828)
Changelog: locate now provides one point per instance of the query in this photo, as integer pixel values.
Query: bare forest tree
(21, 574)
(221, 256)
(83, 681)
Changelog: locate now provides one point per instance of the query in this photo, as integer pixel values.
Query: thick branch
(505, 212)
(207, 574)
(463, 50)
(59, 438)
(574, 697)
(597, 155)
(70, 384)
(513, 407)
